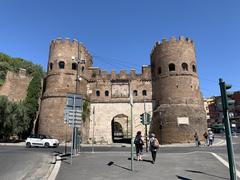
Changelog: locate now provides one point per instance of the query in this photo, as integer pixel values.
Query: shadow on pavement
(183, 178)
(111, 163)
(200, 172)
(145, 160)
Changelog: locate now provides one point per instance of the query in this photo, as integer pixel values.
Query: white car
(41, 141)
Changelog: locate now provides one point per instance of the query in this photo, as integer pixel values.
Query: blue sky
(120, 34)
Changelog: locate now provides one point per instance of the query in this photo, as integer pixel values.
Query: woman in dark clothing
(139, 145)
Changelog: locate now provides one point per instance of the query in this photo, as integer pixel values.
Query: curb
(13, 144)
(55, 169)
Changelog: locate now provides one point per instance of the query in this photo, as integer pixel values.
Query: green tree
(18, 118)
(3, 114)
(86, 110)
(31, 101)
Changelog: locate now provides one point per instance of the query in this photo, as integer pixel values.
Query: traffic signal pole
(232, 166)
(145, 118)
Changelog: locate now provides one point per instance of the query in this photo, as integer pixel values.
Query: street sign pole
(74, 108)
(131, 104)
(93, 124)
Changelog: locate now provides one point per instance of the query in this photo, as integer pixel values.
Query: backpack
(155, 143)
(138, 141)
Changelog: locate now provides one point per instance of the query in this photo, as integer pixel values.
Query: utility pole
(93, 123)
(225, 105)
(131, 104)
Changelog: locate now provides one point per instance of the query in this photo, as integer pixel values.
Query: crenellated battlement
(97, 74)
(66, 41)
(172, 41)
(70, 48)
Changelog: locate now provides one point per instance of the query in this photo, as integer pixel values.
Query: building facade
(169, 86)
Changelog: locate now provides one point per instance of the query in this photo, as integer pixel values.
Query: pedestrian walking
(211, 138)
(196, 138)
(205, 135)
(154, 145)
(139, 146)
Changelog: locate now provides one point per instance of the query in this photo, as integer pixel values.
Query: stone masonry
(15, 85)
(109, 94)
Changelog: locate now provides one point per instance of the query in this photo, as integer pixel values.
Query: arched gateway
(120, 128)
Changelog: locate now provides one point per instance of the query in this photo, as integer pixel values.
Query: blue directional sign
(70, 101)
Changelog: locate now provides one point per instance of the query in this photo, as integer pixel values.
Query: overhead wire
(113, 62)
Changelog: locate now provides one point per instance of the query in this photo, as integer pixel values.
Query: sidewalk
(102, 166)
(217, 142)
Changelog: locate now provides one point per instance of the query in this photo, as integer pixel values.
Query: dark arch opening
(184, 66)
(194, 68)
(106, 93)
(61, 65)
(51, 66)
(144, 93)
(159, 70)
(171, 67)
(97, 93)
(135, 93)
(74, 66)
(121, 130)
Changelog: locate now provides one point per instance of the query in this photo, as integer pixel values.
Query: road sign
(75, 124)
(73, 117)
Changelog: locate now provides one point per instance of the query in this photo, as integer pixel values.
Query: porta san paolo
(167, 89)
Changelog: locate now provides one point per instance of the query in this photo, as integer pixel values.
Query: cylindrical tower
(66, 59)
(178, 110)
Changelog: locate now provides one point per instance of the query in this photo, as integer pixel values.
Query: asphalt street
(189, 162)
(20, 163)
(172, 163)
(108, 166)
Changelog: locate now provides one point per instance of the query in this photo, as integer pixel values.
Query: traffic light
(148, 118)
(142, 120)
(226, 95)
(145, 118)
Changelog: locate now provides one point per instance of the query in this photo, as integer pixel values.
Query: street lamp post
(78, 78)
(131, 104)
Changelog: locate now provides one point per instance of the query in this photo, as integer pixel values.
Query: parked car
(41, 140)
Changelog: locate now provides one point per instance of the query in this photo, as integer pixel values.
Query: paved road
(34, 163)
(173, 163)
(17, 163)
(97, 166)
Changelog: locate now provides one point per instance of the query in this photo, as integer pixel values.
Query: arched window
(97, 93)
(184, 66)
(61, 65)
(144, 92)
(194, 68)
(51, 66)
(159, 70)
(83, 68)
(171, 67)
(74, 66)
(106, 93)
(135, 93)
